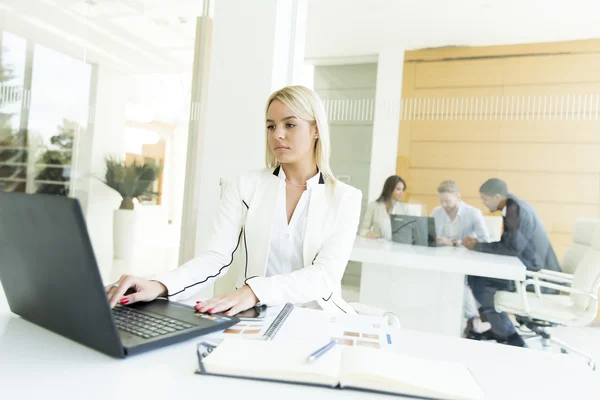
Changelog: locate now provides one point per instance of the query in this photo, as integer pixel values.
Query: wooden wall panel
(555, 157)
(550, 89)
(533, 186)
(404, 138)
(467, 73)
(573, 68)
(529, 114)
(532, 131)
(502, 51)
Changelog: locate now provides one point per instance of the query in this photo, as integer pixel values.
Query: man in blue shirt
(523, 237)
(454, 221)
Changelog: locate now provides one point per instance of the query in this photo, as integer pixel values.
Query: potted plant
(131, 181)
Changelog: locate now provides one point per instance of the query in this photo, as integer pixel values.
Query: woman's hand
(232, 302)
(143, 290)
(373, 235)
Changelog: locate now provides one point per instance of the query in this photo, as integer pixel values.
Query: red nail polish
(198, 302)
(124, 300)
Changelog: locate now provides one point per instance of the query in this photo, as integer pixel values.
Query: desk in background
(36, 363)
(424, 286)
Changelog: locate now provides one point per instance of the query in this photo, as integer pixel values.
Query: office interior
(429, 91)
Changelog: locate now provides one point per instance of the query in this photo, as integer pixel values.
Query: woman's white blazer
(240, 240)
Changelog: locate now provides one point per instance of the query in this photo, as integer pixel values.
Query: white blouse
(287, 240)
(377, 219)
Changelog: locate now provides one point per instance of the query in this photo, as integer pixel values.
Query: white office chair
(577, 305)
(494, 225)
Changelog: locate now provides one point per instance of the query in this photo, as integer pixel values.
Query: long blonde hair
(305, 104)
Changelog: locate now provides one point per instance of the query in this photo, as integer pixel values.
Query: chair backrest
(587, 274)
(494, 225)
(583, 232)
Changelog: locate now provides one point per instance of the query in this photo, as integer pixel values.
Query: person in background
(454, 221)
(523, 237)
(376, 221)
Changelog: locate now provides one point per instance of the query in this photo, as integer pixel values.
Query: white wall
(108, 139)
(384, 147)
(365, 27)
(250, 55)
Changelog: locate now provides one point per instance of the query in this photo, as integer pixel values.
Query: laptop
(50, 277)
(413, 230)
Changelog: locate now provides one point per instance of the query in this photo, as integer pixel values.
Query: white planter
(125, 232)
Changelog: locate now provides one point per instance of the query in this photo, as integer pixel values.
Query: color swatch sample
(362, 331)
(244, 329)
(358, 339)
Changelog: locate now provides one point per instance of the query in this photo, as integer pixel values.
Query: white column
(252, 53)
(107, 138)
(386, 125)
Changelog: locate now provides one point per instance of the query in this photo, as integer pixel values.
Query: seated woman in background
(376, 222)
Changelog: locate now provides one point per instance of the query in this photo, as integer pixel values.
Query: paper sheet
(345, 329)
(310, 324)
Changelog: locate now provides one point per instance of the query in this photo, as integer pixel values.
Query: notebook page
(305, 324)
(394, 372)
(277, 360)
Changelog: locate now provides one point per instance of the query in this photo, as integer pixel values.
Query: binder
(278, 322)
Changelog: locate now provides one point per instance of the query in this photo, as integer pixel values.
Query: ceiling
(158, 35)
(140, 35)
(342, 28)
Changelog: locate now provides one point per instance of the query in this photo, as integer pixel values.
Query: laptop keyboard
(145, 325)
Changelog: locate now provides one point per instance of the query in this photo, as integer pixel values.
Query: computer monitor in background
(409, 229)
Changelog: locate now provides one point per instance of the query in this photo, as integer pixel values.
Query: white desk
(424, 286)
(37, 364)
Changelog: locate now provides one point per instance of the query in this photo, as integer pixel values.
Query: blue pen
(320, 352)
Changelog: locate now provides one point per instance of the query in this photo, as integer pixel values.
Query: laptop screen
(413, 230)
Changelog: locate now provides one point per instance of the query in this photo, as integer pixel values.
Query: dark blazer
(523, 237)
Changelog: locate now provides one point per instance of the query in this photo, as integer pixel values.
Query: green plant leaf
(133, 180)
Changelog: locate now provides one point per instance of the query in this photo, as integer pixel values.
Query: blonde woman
(376, 221)
(292, 225)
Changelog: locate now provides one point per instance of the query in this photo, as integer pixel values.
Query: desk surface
(450, 259)
(36, 363)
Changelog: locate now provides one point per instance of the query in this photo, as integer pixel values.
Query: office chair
(577, 303)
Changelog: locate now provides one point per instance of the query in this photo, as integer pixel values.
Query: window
(13, 151)
(44, 108)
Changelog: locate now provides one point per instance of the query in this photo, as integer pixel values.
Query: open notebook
(342, 367)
